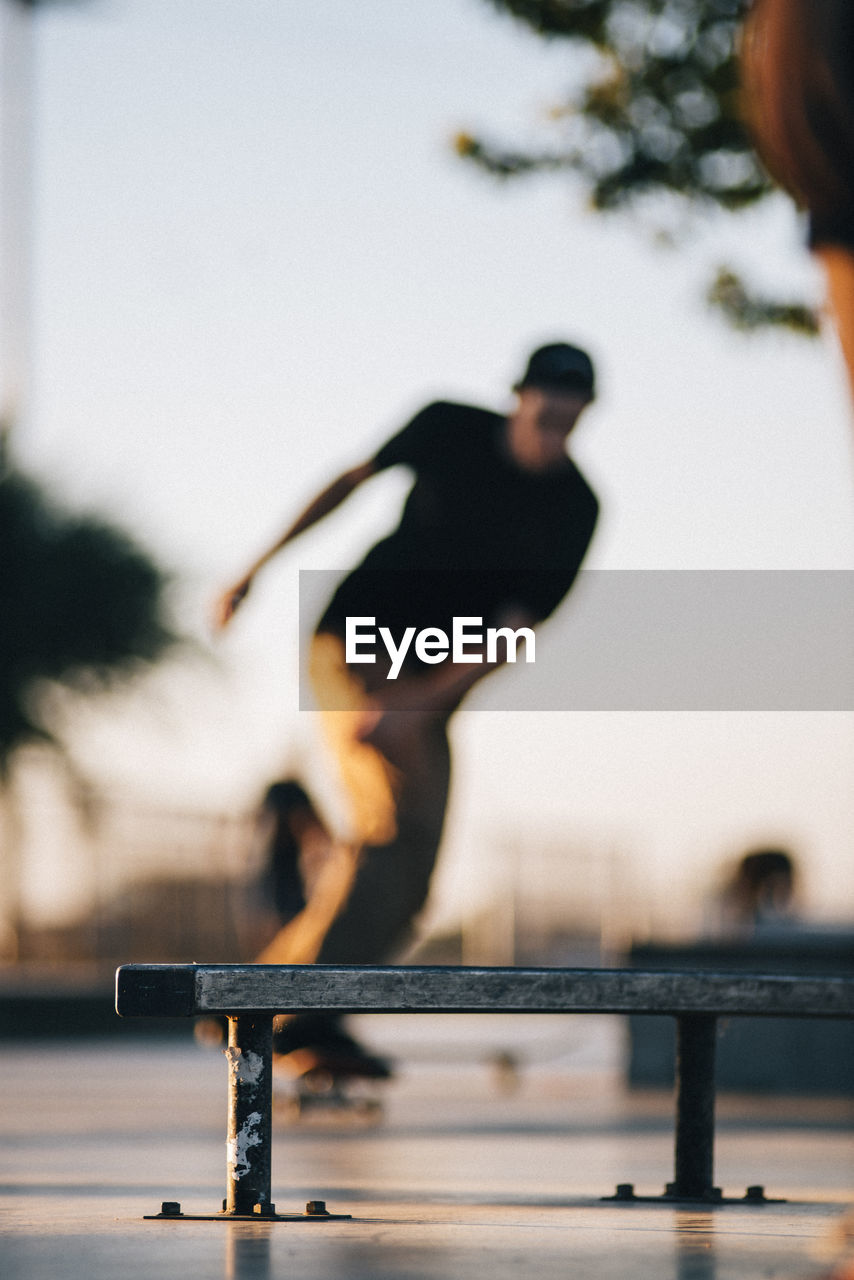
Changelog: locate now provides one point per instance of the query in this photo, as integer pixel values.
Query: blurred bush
(81, 607)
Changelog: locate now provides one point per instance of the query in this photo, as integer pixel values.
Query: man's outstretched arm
(331, 497)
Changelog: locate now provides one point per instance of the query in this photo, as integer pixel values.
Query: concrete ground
(481, 1168)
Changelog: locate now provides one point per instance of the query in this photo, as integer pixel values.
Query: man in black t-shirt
(495, 527)
(479, 533)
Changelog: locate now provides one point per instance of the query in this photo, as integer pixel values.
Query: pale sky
(256, 255)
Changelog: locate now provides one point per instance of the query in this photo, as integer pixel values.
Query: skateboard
(307, 1088)
(338, 1084)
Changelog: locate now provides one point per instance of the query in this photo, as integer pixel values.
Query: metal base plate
(315, 1211)
(246, 1217)
(625, 1194)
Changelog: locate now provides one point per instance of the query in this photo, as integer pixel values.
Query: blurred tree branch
(656, 111)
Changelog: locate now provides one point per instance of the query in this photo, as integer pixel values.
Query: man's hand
(229, 602)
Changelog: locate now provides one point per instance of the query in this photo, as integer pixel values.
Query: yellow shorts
(369, 780)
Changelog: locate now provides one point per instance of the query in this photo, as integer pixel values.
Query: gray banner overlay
(665, 640)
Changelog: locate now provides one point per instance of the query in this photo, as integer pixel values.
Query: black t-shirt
(826, 98)
(477, 535)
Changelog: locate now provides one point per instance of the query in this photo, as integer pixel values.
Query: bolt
(755, 1193)
(316, 1209)
(170, 1209)
(264, 1210)
(626, 1191)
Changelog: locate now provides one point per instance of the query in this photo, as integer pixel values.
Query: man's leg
(390, 881)
(365, 897)
(363, 902)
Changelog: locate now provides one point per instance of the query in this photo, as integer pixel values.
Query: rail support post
(250, 1114)
(695, 1109)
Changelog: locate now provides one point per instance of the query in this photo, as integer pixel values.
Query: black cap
(559, 367)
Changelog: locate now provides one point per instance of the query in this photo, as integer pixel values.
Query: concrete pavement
(479, 1170)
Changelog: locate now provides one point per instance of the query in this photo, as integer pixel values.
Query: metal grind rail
(249, 996)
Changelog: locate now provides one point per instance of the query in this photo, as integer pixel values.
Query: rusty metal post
(250, 1114)
(695, 1108)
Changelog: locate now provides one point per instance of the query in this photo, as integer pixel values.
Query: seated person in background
(759, 893)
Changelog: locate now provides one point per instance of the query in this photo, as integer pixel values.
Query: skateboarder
(496, 526)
